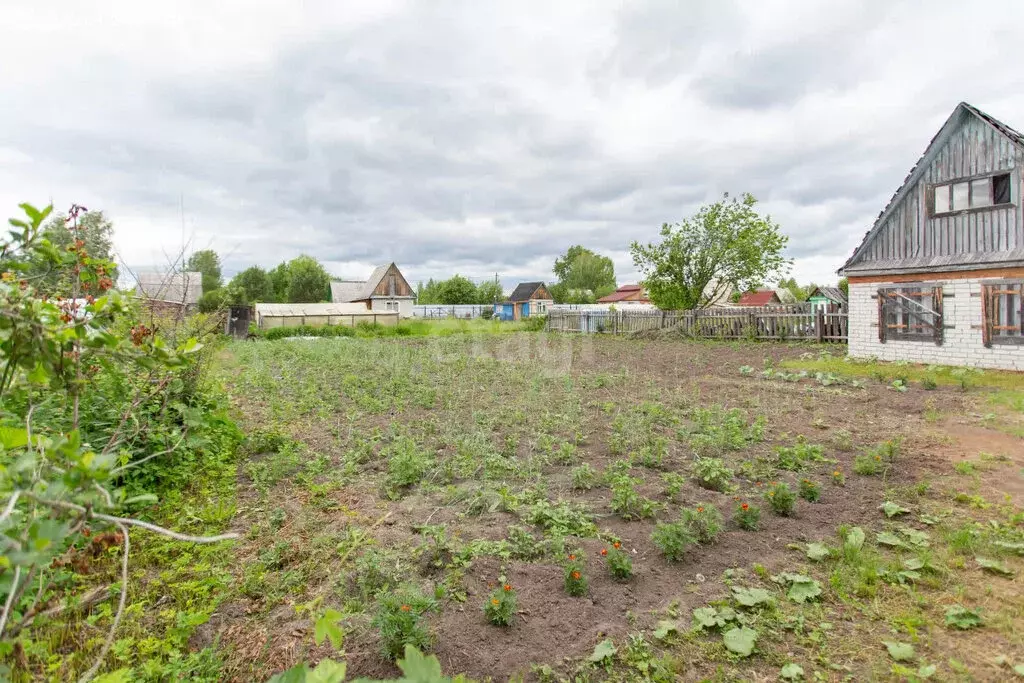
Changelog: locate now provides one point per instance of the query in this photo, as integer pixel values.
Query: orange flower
(572, 557)
(405, 608)
(836, 473)
(616, 545)
(576, 576)
(604, 551)
(878, 457)
(495, 601)
(700, 509)
(508, 587)
(771, 494)
(744, 507)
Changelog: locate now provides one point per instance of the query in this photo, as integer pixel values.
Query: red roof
(761, 298)
(625, 293)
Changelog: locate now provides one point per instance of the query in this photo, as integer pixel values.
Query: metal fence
(779, 323)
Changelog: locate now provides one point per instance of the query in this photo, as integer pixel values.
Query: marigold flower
(878, 457)
(744, 507)
(576, 576)
(771, 494)
(495, 601)
(604, 551)
(836, 473)
(508, 587)
(572, 557)
(616, 545)
(405, 608)
(700, 509)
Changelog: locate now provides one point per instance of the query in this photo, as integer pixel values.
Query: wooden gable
(541, 293)
(925, 228)
(392, 283)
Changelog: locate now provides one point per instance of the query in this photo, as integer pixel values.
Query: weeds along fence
(778, 323)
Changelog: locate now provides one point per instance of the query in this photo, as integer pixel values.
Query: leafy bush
(407, 463)
(627, 503)
(535, 323)
(747, 517)
(781, 499)
(673, 539)
(673, 484)
(838, 478)
(308, 331)
(399, 620)
(809, 491)
(561, 519)
(620, 565)
(716, 430)
(868, 464)
(575, 580)
(704, 521)
(798, 456)
(712, 474)
(500, 608)
(583, 477)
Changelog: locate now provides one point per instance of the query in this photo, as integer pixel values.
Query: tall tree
(583, 276)
(844, 285)
(279, 278)
(206, 262)
(725, 245)
(457, 290)
(253, 285)
(308, 282)
(489, 292)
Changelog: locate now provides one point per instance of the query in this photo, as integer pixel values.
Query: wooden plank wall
(779, 323)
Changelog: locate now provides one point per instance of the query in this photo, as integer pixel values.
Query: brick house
(940, 276)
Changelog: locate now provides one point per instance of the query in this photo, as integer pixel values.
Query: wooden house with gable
(939, 278)
(386, 290)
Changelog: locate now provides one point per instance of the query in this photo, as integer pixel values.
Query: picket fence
(779, 323)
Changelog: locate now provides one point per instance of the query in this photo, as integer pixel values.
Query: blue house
(527, 299)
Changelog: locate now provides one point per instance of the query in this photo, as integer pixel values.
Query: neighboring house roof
(831, 293)
(934, 146)
(761, 298)
(625, 293)
(343, 291)
(525, 291)
(785, 296)
(180, 288)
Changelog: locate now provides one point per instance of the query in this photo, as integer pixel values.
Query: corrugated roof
(761, 298)
(920, 167)
(179, 288)
(524, 290)
(831, 293)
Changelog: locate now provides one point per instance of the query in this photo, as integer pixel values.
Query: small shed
(527, 299)
(763, 297)
(824, 297)
(385, 290)
(294, 315)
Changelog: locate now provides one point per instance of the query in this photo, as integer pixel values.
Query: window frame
(989, 311)
(969, 181)
(898, 299)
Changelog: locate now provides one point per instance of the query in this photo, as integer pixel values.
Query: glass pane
(981, 192)
(960, 194)
(941, 198)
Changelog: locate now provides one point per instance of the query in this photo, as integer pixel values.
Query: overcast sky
(480, 137)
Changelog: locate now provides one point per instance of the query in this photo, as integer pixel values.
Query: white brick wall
(961, 345)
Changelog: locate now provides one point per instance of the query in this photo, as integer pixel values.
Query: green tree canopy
(489, 292)
(308, 282)
(206, 262)
(94, 230)
(457, 290)
(583, 276)
(254, 286)
(279, 278)
(725, 245)
(844, 285)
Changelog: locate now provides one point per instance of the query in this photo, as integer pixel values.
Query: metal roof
(831, 293)
(524, 291)
(346, 290)
(623, 293)
(761, 298)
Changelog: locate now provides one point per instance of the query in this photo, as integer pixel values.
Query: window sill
(975, 209)
(1007, 341)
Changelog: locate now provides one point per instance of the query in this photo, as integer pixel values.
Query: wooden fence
(780, 323)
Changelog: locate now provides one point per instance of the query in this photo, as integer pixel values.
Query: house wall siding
(962, 338)
(909, 232)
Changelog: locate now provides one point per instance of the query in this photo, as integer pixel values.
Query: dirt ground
(521, 390)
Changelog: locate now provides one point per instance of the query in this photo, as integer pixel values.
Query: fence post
(819, 323)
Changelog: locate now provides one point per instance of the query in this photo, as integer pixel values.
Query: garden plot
(614, 509)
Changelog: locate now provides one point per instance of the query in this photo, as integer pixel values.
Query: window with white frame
(1003, 313)
(971, 193)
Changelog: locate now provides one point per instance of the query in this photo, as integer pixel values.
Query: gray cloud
(476, 138)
